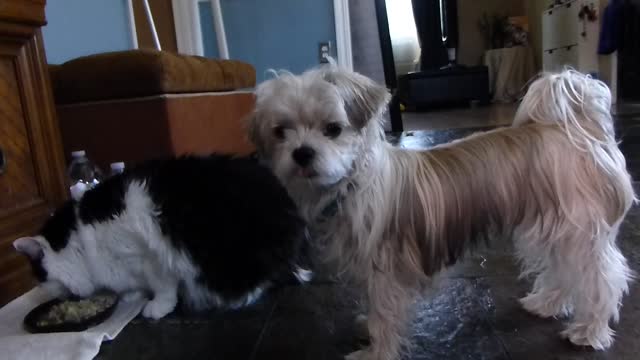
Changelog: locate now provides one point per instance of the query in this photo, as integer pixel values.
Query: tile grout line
(501, 341)
(494, 333)
(256, 346)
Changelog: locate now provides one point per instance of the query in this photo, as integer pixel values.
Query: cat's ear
(30, 247)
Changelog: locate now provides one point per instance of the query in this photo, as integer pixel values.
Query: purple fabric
(611, 25)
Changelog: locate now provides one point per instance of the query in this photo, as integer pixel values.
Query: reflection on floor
(456, 118)
(481, 116)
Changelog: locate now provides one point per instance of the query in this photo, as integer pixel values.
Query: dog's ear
(363, 97)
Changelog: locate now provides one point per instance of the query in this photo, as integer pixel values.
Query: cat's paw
(158, 308)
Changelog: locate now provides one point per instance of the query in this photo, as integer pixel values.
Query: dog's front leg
(389, 304)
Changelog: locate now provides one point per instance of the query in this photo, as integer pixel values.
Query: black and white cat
(214, 231)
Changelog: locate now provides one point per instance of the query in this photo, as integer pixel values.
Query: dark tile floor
(473, 315)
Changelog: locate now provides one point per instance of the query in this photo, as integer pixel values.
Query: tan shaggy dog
(555, 182)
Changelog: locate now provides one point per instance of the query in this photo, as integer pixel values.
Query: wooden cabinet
(32, 166)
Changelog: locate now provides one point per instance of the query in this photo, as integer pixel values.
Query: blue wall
(209, 40)
(273, 34)
(82, 27)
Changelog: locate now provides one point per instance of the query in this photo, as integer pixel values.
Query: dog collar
(332, 208)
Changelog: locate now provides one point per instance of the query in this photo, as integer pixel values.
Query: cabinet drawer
(18, 186)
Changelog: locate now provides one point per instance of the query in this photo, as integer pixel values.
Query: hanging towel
(611, 28)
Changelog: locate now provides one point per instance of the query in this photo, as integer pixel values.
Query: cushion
(145, 72)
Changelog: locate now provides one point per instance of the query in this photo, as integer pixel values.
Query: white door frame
(133, 33)
(189, 31)
(343, 34)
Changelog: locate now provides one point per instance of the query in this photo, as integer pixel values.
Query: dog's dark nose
(303, 155)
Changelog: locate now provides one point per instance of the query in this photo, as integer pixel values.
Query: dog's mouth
(306, 172)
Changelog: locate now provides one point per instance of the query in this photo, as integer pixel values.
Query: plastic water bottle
(83, 174)
(116, 168)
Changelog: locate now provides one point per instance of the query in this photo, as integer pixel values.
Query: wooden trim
(23, 11)
(344, 51)
(51, 135)
(11, 31)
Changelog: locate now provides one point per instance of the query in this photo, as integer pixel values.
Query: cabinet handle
(3, 161)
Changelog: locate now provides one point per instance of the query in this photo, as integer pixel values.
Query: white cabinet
(568, 40)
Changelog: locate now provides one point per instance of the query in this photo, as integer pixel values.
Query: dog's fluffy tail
(580, 105)
(574, 101)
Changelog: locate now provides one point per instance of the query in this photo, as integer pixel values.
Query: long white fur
(556, 182)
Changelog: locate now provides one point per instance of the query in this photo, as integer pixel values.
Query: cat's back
(231, 215)
(216, 181)
(221, 198)
(215, 190)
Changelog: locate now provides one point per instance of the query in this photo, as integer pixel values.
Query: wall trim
(133, 32)
(218, 24)
(152, 24)
(187, 24)
(343, 34)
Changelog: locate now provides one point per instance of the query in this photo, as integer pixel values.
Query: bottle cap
(79, 153)
(117, 166)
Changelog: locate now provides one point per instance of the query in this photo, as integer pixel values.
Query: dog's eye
(332, 130)
(278, 132)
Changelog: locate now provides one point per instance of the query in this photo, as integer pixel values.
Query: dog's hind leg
(600, 279)
(551, 295)
(552, 292)
(389, 306)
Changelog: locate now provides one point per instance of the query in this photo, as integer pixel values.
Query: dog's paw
(545, 305)
(599, 337)
(158, 308)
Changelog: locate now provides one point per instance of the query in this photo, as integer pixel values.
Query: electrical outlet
(324, 51)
